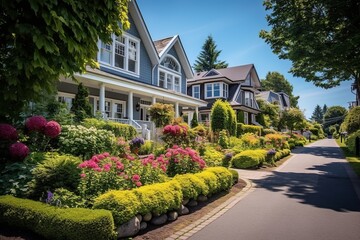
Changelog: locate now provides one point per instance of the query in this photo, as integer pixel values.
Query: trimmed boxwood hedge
(56, 223)
(192, 186)
(249, 158)
(118, 129)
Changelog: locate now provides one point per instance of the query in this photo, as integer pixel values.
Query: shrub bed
(118, 129)
(56, 223)
(243, 128)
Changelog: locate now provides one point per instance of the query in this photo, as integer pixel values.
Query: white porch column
(130, 106)
(190, 117)
(197, 112)
(177, 110)
(102, 99)
(153, 100)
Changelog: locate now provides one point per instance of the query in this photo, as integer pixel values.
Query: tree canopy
(293, 119)
(278, 83)
(320, 37)
(270, 114)
(208, 57)
(334, 115)
(41, 40)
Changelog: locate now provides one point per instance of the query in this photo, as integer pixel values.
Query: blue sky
(235, 27)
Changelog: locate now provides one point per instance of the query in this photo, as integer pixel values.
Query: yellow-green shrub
(224, 177)
(192, 186)
(159, 198)
(249, 158)
(118, 129)
(123, 204)
(250, 140)
(212, 157)
(210, 180)
(56, 223)
(243, 128)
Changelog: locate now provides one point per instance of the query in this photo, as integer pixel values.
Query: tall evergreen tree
(318, 114)
(278, 83)
(81, 106)
(208, 57)
(324, 109)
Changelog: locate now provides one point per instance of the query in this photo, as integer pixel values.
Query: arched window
(171, 63)
(169, 74)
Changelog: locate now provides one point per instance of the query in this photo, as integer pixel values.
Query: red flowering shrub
(181, 161)
(19, 151)
(8, 132)
(52, 129)
(176, 135)
(35, 123)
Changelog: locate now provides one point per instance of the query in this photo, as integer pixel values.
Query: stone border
(193, 228)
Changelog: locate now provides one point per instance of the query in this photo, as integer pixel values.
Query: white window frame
(66, 96)
(246, 118)
(172, 74)
(110, 110)
(222, 92)
(193, 91)
(128, 49)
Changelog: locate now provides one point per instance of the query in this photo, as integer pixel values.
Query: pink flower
(138, 184)
(19, 151)
(135, 178)
(107, 167)
(83, 175)
(129, 157)
(100, 156)
(35, 123)
(52, 129)
(126, 177)
(106, 154)
(83, 165)
(8, 132)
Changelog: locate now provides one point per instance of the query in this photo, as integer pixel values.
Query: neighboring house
(134, 73)
(238, 85)
(278, 98)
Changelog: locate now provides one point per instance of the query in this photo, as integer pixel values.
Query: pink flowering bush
(19, 151)
(35, 123)
(181, 161)
(52, 129)
(8, 132)
(104, 172)
(178, 135)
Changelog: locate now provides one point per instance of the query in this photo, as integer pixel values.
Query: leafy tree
(320, 37)
(293, 119)
(352, 121)
(161, 114)
(41, 40)
(276, 82)
(81, 106)
(270, 114)
(334, 115)
(208, 57)
(318, 115)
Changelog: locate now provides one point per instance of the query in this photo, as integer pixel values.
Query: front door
(144, 113)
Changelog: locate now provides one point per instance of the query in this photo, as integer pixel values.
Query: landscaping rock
(185, 201)
(143, 225)
(184, 210)
(160, 220)
(202, 198)
(172, 216)
(131, 228)
(147, 217)
(139, 217)
(192, 203)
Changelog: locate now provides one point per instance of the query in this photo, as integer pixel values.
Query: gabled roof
(163, 46)
(143, 31)
(238, 73)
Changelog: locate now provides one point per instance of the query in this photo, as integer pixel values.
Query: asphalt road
(312, 196)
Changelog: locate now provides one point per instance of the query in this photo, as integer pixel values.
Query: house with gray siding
(134, 73)
(278, 98)
(237, 85)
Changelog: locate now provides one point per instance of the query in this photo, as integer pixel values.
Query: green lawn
(352, 159)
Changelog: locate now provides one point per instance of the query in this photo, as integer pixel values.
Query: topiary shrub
(56, 171)
(191, 186)
(219, 116)
(223, 139)
(81, 106)
(249, 158)
(210, 179)
(56, 223)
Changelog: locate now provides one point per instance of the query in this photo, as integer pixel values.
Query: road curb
(193, 228)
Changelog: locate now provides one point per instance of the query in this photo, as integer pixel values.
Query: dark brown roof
(161, 44)
(238, 73)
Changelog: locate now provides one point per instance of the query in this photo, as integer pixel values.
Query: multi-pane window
(249, 99)
(113, 108)
(162, 79)
(177, 84)
(196, 91)
(215, 90)
(169, 74)
(122, 53)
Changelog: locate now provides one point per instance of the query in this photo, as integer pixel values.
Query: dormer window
(122, 54)
(169, 74)
(216, 90)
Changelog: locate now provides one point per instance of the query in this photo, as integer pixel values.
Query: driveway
(311, 196)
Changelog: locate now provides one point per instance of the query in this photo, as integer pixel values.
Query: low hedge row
(56, 223)
(244, 128)
(119, 129)
(163, 197)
